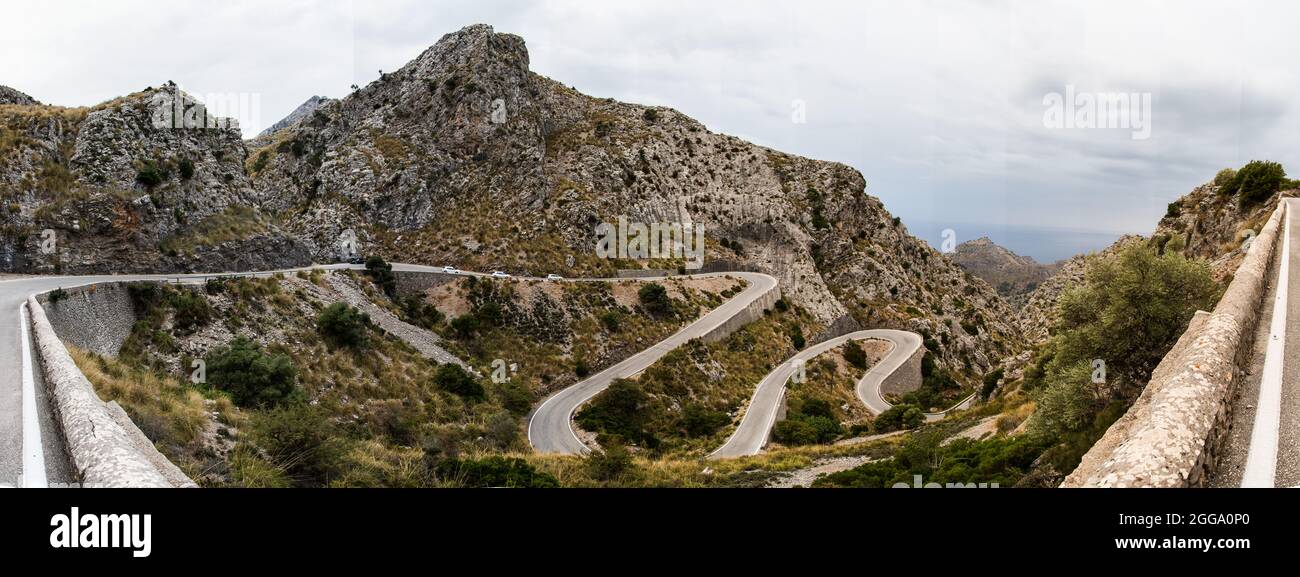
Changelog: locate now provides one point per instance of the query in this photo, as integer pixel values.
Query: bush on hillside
(251, 377)
(1257, 182)
(344, 325)
(494, 471)
(456, 380)
(654, 298)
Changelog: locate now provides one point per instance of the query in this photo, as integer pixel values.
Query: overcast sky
(939, 104)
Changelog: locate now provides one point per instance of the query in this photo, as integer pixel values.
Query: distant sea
(1045, 245)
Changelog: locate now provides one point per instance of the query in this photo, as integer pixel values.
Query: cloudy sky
(941, 105)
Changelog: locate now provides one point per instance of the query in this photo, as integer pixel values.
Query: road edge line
(33, 475)
(1261, 458)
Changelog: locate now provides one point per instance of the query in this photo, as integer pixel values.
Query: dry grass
(235, 223)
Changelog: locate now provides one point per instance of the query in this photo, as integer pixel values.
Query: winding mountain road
(550, 429)
(31, 447)
(756, 425)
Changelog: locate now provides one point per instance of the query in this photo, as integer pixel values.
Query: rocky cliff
(303, 111)
(466, 157)
(1212, 224)
(128, 186)
(11, 96)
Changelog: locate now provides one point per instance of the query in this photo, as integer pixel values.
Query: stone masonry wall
(1173, 434)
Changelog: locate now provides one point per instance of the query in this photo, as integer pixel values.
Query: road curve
(756, 425)
(550, 429)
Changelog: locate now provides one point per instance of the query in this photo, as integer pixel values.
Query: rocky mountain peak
(11, 96)
(1014, 276)
(303, 111)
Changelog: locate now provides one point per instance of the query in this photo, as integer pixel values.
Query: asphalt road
(1272, 458)
(756, 425)
(550, 430)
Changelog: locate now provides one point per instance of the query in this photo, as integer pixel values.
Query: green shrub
(1257, 181)
(700, 421)
(899, 417)
(301, 441)
(809, 421)
(465, 325)
(456, 380)
(192, 311)
(796, 336)
(252, 377)
(610, 464)
(420, 312)
(991, 379)
(151, 174)
(186, 168)
(57, 295)
(1130, 310)
(494, 472)
(610, 320)
(382, 274)
(619, 413)
(854, 354)
(344, 325)
(515, 397)
(1224, 179)
(1175, 210)
(581, 369)
(654, 298)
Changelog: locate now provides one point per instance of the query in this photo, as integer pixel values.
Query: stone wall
(1173, 434)
(104, 451)
(906, 378)
(95, 318)
(753, 312)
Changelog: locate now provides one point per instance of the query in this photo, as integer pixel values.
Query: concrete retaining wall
(103, 451)
(1173, 434)
(753, 312)
(907, 378)
(95, 318)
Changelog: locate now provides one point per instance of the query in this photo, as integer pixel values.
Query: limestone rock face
(304, 110)
(11, 96)
(1212, 224)
(122, 187)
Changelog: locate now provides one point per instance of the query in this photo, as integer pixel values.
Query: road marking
(33, 450)
(1261, 459)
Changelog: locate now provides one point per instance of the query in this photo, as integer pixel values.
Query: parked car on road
(499, 274)
(554, 277)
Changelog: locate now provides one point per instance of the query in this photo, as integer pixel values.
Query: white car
(450, 270)
(554, 277)
(499, 274)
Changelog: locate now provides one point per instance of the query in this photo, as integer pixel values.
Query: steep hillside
(465, 157)
(115, 188)
(1212, 223)
(303, 111)
(1013, 276)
